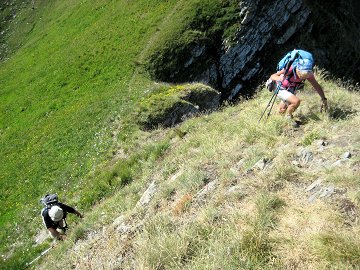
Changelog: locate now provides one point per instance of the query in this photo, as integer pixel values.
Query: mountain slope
(69, 85)
(232, 193)
(64, 94)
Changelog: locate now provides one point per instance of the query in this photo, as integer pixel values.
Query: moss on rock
(168, 105)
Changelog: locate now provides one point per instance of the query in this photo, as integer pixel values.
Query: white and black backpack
(50, 200)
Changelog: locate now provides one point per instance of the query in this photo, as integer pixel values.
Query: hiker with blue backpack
(54, 215)
(292, 71)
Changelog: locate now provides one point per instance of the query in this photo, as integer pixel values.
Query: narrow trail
(141, 57)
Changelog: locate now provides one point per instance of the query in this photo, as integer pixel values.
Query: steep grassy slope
(216, 206)
(67, 94)
(69, 80)
(63, 92)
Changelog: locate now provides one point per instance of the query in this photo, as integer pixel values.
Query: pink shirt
(288, 85)
(294, 81)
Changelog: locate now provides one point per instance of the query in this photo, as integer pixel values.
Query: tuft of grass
(168, 192)
(266, 206)
(344, 178)
(286, 173)
(341, 251)
(167, 247)
(79, 233)
(192, 180)
(256, 243)
(310, 137)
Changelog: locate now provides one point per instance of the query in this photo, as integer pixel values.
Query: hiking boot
(294, 123)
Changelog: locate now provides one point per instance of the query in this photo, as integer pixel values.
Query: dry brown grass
(182, 205)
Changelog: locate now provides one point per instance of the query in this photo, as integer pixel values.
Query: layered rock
(267, 30)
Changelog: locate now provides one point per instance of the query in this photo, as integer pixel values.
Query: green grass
(205, 23)
(267, 224)
(340, 251)
(73, 68)
(256, 243)
(60, 91)
(310, 137)
(209, 241)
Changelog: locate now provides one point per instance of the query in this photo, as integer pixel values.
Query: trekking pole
(272, 100)
(272, 105)
(38, 257)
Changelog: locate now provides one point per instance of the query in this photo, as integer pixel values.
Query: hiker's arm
(55, 233)
(320, 91)
(71, 210)
(78, 214)
(278, 76)
(317, 88)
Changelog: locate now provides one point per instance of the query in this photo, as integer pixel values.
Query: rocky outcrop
(262, 27)
(170, 105)
(270, 30)
(266, 31)
(9, 10)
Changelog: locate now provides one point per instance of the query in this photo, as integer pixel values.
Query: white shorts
(284, 95)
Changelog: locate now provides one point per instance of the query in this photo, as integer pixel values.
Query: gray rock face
(260, 28)
(318, 190)
(179, 113)
(267, 31)
(204, 100)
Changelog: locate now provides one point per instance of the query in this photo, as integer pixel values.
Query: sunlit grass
(267, 223)
(340, 251)
(60, 91)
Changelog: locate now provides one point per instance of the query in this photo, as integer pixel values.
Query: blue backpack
(299, 59)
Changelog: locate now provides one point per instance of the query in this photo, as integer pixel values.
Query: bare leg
(282, 107)
(294, 103)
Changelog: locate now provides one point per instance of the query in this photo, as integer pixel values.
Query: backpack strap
(290, 75)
